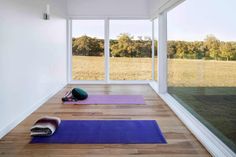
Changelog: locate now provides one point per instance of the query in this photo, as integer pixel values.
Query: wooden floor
(181, 143)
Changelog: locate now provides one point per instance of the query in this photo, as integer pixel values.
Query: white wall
(32, 56)
(108, 8)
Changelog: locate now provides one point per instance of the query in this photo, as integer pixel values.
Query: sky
(192, 20)
(95, 28)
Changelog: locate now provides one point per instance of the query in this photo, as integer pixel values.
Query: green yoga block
(79, 94)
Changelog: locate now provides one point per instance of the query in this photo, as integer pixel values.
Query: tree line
(126, 46)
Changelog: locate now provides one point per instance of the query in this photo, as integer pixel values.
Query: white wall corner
(69, 50)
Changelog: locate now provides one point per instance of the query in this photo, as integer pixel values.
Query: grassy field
(92, 68)
(201, 73)
(183, 73)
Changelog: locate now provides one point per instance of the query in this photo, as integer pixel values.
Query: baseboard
(212, 143)
(154, 86)
(22, 116)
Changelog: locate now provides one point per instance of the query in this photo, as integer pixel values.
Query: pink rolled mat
(110, 99)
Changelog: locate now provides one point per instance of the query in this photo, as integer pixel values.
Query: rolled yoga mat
(105, 132)
(110, 99)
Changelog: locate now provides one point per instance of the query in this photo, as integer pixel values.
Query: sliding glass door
(202, 63)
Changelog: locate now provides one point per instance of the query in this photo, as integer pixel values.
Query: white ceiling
(114, 8)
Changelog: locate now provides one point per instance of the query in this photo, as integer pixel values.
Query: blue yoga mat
(105, 132)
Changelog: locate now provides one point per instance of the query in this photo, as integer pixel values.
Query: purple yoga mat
(105, 132)
(110, 99)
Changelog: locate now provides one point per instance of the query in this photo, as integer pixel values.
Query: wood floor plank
(180, 141)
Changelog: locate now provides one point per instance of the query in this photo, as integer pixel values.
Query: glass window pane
(88, 50)
(202, 63)
(130, 50)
